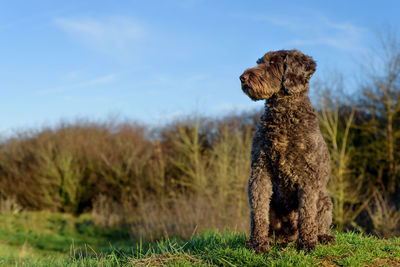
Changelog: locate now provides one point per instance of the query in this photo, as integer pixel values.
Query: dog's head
(285, 71)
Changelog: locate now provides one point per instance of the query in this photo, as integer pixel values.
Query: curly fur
(289, 159)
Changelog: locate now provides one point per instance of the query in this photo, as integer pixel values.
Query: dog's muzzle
(246, 88)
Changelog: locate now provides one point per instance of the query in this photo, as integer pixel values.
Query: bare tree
(381, 97)
(336, 119)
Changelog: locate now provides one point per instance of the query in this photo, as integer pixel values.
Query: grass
(48, 239)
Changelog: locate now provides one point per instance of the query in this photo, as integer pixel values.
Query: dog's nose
(244, 77)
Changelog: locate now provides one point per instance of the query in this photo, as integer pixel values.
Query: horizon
(159, 61)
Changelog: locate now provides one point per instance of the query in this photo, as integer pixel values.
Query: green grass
(48, 239)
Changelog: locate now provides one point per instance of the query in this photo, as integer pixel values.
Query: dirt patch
(386, 262)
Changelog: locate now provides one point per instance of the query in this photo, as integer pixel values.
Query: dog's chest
(287, 150)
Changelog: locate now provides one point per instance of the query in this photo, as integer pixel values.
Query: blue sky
(155, 60)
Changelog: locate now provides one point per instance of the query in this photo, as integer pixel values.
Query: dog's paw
(326, 239)
(262, 248)
(259, 248)
(306, 245)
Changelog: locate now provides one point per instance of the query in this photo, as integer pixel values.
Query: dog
(290, 162)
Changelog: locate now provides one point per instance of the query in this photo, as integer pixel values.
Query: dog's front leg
(260, 192)
(308, 232)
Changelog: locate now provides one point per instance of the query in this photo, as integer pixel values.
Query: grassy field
(48, 239)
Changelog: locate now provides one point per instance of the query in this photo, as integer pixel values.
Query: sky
(157, 60)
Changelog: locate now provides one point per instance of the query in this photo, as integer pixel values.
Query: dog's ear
(298, 69)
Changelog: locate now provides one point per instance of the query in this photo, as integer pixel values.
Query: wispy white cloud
(115, 32)
(72, 75)
(289, 23)
(343, 36)
(339, 42)
(84, 84)
(317, 29)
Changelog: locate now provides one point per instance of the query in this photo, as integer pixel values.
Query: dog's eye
(271, 62)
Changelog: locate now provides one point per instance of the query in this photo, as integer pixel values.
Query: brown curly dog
(289, 159)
